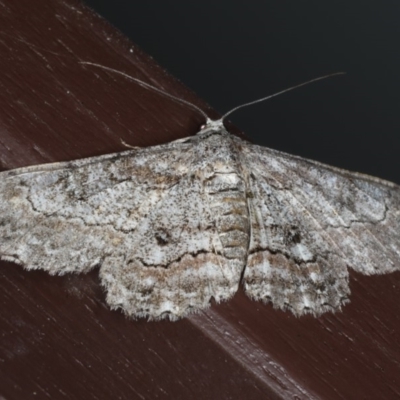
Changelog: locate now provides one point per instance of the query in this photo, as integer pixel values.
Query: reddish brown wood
(58, 338)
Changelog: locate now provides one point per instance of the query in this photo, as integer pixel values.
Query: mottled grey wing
(309, 223)
(141, 215)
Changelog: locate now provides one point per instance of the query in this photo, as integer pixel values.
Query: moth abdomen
(227, 199)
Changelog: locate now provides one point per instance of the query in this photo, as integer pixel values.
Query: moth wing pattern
(309, 223)
(173, 226)
(129, 213)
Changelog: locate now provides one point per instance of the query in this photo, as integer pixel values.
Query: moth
(176, 225)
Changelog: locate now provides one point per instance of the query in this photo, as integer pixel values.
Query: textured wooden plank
(58, 338)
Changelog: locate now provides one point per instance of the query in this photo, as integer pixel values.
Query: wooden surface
(58, 338)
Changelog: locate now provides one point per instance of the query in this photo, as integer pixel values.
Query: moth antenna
(278, 93)
(148, 86)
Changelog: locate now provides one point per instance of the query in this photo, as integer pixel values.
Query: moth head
(212, 126)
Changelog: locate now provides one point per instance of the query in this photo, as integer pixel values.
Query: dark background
(231, 52)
